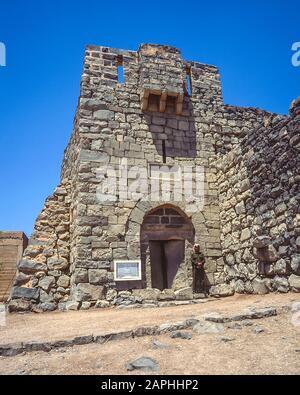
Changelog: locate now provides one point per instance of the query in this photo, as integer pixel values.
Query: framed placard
(127, 270)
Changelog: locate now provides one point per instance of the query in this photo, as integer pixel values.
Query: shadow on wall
(173, 135)
(273, 172)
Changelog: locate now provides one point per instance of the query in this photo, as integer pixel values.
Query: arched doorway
(164, 233)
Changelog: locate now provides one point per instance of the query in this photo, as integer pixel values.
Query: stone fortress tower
(167, 116)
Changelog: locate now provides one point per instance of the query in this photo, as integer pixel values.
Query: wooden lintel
(163, 102)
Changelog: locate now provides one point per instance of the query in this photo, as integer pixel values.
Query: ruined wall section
(259, 199)
(231, 124)
(42, 280)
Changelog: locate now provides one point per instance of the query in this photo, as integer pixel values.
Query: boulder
(143, 363)
(259, 286)
(156, 344)
(204, 327)
(294, 282)
(280, 284)
(85, 306)
(280, 267)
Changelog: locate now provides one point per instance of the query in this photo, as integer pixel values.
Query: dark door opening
(166, 257)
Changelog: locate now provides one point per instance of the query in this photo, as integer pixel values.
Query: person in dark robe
(199, 277)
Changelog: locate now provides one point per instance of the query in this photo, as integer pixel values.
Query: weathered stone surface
(146, 294)
(71, 305)
(295, 264)
(143, 363)
(16, 305)
(22, 279)
(46, 283)
(208, 327)
(294, 282)
(11, 350)
(97, 276)
(181, 335)
(63, 281)
(80, 276)
(280, 284)
(45, 297)
(259, 286)
(25, 293)
(48, 306)
(184, 294)
(221, 290)
(104, 115)
(56, 263)
(88, 292)
(102, 304)
(29, 267)
(214, 317)
(85, 305)
(166, 294)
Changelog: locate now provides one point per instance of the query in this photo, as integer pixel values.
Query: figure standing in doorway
(199, 277)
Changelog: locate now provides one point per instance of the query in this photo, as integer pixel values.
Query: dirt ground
(275, 350)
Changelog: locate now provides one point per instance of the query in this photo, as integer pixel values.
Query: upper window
(120, 66)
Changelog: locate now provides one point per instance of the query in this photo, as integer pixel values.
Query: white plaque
(127, 270)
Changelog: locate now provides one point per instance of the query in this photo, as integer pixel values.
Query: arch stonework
(167, 224)
(138, 233)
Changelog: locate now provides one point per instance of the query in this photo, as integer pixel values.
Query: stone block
(97, 276)
(294, 282)
(29, 267)
(46, 283)
(87, 292)
(184, 294)
(80, 276)
(25, 293)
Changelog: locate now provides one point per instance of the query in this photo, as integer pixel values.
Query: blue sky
(249, 41)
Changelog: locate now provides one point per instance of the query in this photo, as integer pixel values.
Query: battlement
(161, 78)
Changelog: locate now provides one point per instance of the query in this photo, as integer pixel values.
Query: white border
(128, 278)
